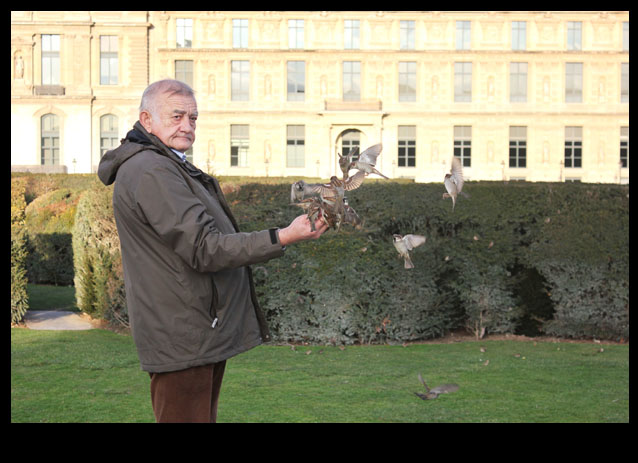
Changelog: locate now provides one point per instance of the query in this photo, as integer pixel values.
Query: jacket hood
(136, 140)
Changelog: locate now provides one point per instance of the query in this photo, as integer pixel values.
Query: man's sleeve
(182, 222)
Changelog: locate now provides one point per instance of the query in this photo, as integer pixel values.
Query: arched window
(350, 139)
(49, 140)
(108, 133)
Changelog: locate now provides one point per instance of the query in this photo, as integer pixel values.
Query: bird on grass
(454, 181)
(435, 391)
(404, 244)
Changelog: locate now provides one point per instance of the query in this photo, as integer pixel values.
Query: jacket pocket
(214, 304)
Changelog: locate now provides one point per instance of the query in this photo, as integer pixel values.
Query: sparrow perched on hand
(326, 199)
(346, 160)
(406, 243)
(454, 181)
(434, 392)
(367, 161)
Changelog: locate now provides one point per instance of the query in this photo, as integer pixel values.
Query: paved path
(56, 320)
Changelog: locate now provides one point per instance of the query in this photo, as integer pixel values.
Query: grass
(50, 297)
(94, 376)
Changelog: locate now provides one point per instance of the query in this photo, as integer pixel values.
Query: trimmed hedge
(19, 297)
(49, 220)
(51, 206)
(509, 259)
(516, 258)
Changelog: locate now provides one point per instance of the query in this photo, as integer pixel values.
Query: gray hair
(170, 86)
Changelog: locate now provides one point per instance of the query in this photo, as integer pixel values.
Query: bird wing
(457, 173)
(445, 388)
(369, 156)
(412, 241)
(427, 389)
(322, 189)
(355, 181)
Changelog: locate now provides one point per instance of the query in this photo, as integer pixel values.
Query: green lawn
(51, 297)
(94, 376)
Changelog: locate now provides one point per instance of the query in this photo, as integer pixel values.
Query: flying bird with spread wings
(405, 244)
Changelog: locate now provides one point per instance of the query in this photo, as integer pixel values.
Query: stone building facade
(524, 95)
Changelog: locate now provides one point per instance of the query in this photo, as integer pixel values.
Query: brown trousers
(187, 396)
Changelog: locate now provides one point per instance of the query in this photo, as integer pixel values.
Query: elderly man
(189, 288)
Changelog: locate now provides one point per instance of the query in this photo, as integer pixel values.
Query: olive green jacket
(189, 289)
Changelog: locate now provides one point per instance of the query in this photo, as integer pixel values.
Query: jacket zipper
(213, 308)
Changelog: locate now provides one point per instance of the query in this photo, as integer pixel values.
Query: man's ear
(146, 120)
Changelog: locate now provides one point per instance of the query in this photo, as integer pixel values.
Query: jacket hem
(182, 365)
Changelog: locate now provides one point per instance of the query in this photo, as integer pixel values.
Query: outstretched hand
(300, 230)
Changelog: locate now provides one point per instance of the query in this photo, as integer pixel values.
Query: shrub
(516, 257)
(19, 298)
(99, 282)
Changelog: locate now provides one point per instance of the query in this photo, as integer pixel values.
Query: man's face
(174, 122)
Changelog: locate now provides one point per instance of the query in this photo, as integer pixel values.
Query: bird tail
(408, 262)
(379, 173)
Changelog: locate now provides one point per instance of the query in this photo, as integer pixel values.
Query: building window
(463, 144)
(239, 145)
(625, 36)
(352, 80)
(350, 139)
(184, 71)
(240, 33)
(518, 82)
(463, 32)
(108, 60)
(351, 34)
(296, 80)
(239, 80)
(574, 35)
(407, 35)
(295, 33)
(624, 146)
(519, 35)
(407, 146)
(518, 146)
(50, 60)
(573, 146)
(462, 82)
(109, 138)
(184, 32)
(49, 140)
(624, 82)
(295, 145)
(573, 82)
(407, 81)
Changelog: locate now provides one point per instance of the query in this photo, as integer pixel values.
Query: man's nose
(186, 125)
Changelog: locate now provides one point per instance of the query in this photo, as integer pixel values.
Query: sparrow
(316, 207)
(301, 190)
(334, 190)
(406, 243)
(454, 181)
(434, 392)
(351, 217)
(346, 160)
(367, 161)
